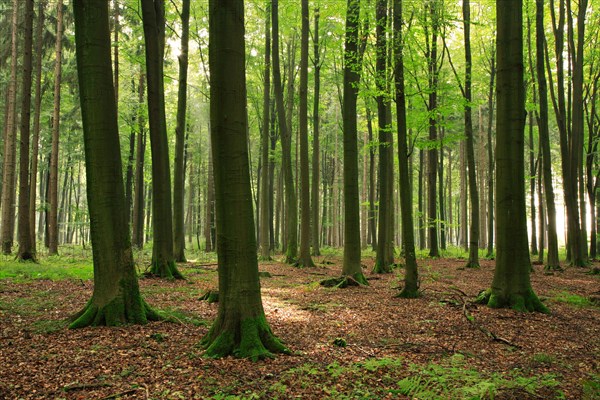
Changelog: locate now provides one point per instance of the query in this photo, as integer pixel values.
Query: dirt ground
(434, 343)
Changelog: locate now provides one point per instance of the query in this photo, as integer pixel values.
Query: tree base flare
(553, 268)
(472, 264)
(120, 311)
(211, 296)
(407, 293)
(167, 270)
(345, 281)
(518, 302)
(250, 338)
(380, 268)
(304, 262)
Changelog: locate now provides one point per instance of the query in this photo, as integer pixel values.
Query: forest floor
(354, 343)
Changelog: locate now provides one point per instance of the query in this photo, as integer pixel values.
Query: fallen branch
(84, 386)
(120, 394)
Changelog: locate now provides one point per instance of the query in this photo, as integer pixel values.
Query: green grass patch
(182, 317)
(591, 388)
(572, 299)
(48, 326)
(53, 268)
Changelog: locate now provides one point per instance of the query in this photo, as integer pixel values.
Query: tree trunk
(316, 144)
(352, 67)
(24, 226)
(473, 261)
(241, 328)
(432, 154)
(532, 173)
(286, 144)
(39, 30)
(10, 142)
(304, 259)
(385, 246)
(490, 154)
(53, 184)
(264, 214)
(411, 277)
(163, 262)
(420, 194)
(179, 173)
(511, 285)
(372, 183)
(116, 298)
(138, 195)
(209, 227)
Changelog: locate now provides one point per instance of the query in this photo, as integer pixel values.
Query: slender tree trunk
(24, 226)
(53, 190)
(552, 262)
(116, 298)
(209, 227)
(304, 259)
(473, 261)
(490, 154)
(286, 144)
(264, 214)
(411, 277)
(372, 183)
(432, 154)
(163, 262)
(463, 209)
(10, 142)
(420, 194)
(385, 247)
(180, 130)
(352, 68)
(36, 122)
(241, 328)
(511, 285)
(316, 144)
(138, 195)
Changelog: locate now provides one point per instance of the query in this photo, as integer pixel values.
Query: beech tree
(116, 298)
(511, 286)
(241, 328)
(163, 262)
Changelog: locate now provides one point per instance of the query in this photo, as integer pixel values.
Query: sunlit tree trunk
(314, 203)
(490, 155)
(241, 328)
(116, 298)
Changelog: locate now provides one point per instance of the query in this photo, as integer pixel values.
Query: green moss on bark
(527, 302)
(250, 338)
(472, 264)
(166, 270)
(380, 268)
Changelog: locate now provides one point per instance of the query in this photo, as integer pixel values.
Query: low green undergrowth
(53, 268)
(572, 299)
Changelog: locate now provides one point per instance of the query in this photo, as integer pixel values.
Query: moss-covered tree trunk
(385, 237)
(473, 261)
(241, 328)
(116, 298)
(411, 276)
(24, 236)
(511, 286)
(163, 262)
(304, 258)
(180, 129)
(352, 67)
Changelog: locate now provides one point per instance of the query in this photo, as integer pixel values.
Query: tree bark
(314, 203)
(241, 328)
(53, 183)
(490, 154)
(24, 226)
(10, 143)
(180, 130)
(473, 261)
(304, 259)
(411, 277)
(138, 195)
(511, 285)
(163, 262)
(116, 298)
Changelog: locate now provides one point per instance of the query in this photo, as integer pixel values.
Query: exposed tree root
(304, 263)
(406, 293)
(250, 338)
(472, 264)
(122, 310)
(380, 268)
(211, 296)
(519, 302)
(553, 268)
(166, 270)
(344, 281)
